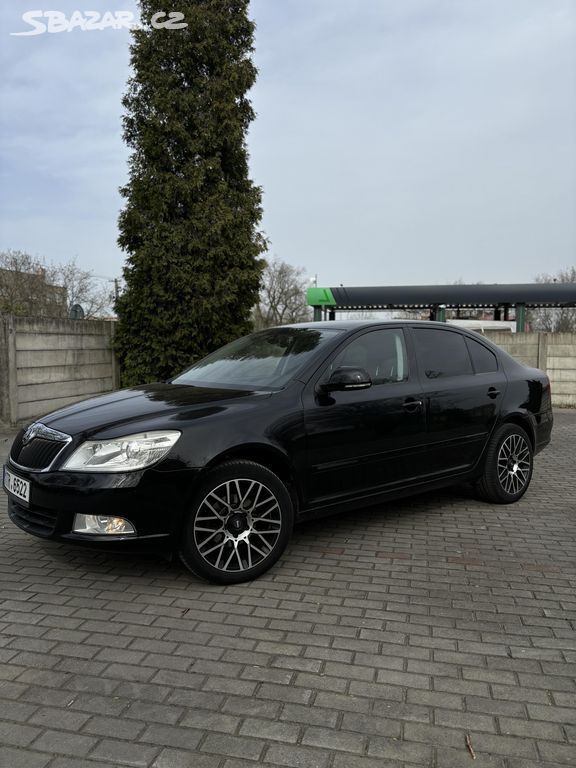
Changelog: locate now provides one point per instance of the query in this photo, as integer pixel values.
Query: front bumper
(153, 501)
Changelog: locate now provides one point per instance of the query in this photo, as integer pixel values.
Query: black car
(283, 424)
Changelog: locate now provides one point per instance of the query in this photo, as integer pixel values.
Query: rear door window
(441, 354)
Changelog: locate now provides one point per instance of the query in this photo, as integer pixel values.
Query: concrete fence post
(115, 365)
(12, 409)
(543, 351)
(4, 401)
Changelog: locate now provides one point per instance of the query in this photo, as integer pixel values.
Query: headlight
(122, 454)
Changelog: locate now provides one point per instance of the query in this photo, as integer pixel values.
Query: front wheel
(240, 522)
(508, 466)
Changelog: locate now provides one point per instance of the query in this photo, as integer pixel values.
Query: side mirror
(346, 378)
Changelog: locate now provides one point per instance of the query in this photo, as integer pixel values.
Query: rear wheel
(508, 466)
(239, 525)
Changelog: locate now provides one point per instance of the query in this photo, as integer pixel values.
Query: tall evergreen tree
(190, 222)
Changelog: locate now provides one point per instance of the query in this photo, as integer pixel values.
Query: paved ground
(405, 636)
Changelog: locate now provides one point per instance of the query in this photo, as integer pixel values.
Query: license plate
(16, 486)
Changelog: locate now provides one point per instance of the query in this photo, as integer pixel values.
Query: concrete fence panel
(522, 346)
(554, 353)
(48, 363)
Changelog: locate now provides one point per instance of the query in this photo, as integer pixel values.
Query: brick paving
(400, 636)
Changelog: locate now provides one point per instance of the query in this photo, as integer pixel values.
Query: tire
(508, 466)
(222, 540)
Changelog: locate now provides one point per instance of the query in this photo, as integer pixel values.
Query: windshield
(268, 359)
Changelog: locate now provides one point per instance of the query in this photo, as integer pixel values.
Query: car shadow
(431, 502)
(84, 562)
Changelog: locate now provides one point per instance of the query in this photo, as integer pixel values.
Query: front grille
(37, 454)
(17, 444)
(41, 522)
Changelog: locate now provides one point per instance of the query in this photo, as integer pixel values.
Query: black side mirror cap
(346, 378)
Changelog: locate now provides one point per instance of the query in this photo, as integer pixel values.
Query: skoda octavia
(218, 463)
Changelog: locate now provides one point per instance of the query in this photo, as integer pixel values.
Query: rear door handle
(493, 392)
(412, 404)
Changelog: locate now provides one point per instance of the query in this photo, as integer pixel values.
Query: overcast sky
(397, 141)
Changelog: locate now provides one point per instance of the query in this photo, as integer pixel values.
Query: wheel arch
(269, 457)
(522, 420)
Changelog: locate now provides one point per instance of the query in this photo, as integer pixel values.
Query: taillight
(546, 394)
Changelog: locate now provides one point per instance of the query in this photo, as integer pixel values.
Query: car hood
(144, 402)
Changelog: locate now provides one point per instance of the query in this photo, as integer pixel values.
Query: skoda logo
(46, 433)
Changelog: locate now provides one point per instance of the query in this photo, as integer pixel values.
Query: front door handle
(493, 392)
(412, 404)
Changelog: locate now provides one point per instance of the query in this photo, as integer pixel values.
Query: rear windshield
(267, 359)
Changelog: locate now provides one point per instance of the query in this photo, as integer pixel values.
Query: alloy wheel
(237, 525)
(514, 464)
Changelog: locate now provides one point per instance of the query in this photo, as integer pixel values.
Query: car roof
(350, 325)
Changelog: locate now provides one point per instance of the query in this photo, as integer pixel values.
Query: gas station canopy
(437, 298)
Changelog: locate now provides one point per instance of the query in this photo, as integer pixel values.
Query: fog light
(102, 525)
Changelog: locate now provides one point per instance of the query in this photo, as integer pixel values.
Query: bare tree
(84, 289)
(29, 286)
(282, 296)
(561, 320)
